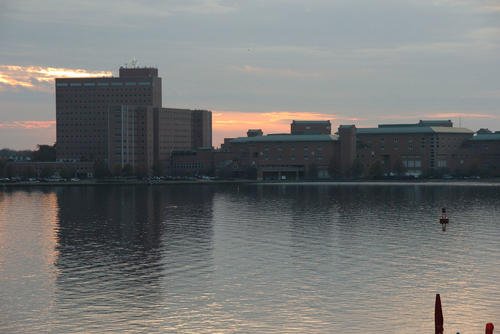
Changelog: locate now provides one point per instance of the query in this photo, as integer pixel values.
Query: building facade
(120, 122)
(84, 109)
(415, 149)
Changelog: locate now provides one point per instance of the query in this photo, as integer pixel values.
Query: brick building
(479, 155)
(84, 107)
(425, 148)
(415, 148)
(274, 156)
(120, 121)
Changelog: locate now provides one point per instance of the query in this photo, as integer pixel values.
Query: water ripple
(295, 258)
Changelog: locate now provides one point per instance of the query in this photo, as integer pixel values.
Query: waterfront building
(84, 107)
(119, 121)
(480, 155)
(413, 149)
(274, 156)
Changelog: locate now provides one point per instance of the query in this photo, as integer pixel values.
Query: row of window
(188, 165)
(103, 84)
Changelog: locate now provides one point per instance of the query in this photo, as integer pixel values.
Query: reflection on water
(291, 258)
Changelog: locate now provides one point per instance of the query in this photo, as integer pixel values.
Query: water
(297, 258)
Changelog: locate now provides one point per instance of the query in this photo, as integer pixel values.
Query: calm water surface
(296, 258)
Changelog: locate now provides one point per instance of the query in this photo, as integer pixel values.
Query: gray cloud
(361, 58)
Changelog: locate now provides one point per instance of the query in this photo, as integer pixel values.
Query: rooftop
(487, 136)
(285, 138)
(310, 122)
(422, 123)
(413, 129)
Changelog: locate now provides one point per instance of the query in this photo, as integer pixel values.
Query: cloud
(447, 115)
(40, 78)
(482, 6)
(118, 13)
(229, 124)
(281, 72)
(28, 125)
(273, 120)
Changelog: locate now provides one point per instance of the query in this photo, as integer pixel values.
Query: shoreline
(87, 183)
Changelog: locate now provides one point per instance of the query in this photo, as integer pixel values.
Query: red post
(489, 328)
(438, 315)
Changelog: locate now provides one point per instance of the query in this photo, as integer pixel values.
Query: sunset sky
(259, 63)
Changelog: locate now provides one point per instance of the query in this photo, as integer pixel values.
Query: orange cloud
(27, 124)
(40, 78)
(271, 121)
(229, 124)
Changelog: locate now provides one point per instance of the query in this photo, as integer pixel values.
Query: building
(479, 155)
(416, 149)
(120, 122)
(311, 128)
(84, 107)
(431, 148)
(285, 156)
(180, 130)
(274, 156)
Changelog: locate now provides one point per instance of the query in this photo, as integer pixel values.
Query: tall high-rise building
(84, 110)
(119, 121)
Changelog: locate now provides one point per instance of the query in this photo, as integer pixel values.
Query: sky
(259, 63)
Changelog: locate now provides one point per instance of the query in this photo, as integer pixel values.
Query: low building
(414, 149)
(480, 155)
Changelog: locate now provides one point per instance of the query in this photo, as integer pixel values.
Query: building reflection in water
(117, 246)
(250, 258)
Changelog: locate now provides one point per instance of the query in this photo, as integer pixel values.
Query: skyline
(351, 63)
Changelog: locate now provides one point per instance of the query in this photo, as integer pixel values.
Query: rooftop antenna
(133, 62)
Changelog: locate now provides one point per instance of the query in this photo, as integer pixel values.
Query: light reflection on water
(296, 258)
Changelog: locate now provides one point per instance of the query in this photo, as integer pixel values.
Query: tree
(333, 169)
(376, 170)
(357, 169)
(101, 170)
(128, 170)
(141, 171)
(312, 171)
(45, 153)
(68, 172)
(225, 170)
(158, 169)
(47, 171)
(399, 168)
(251, 172)
(28, 172)
(116, 170)
(3, 164)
